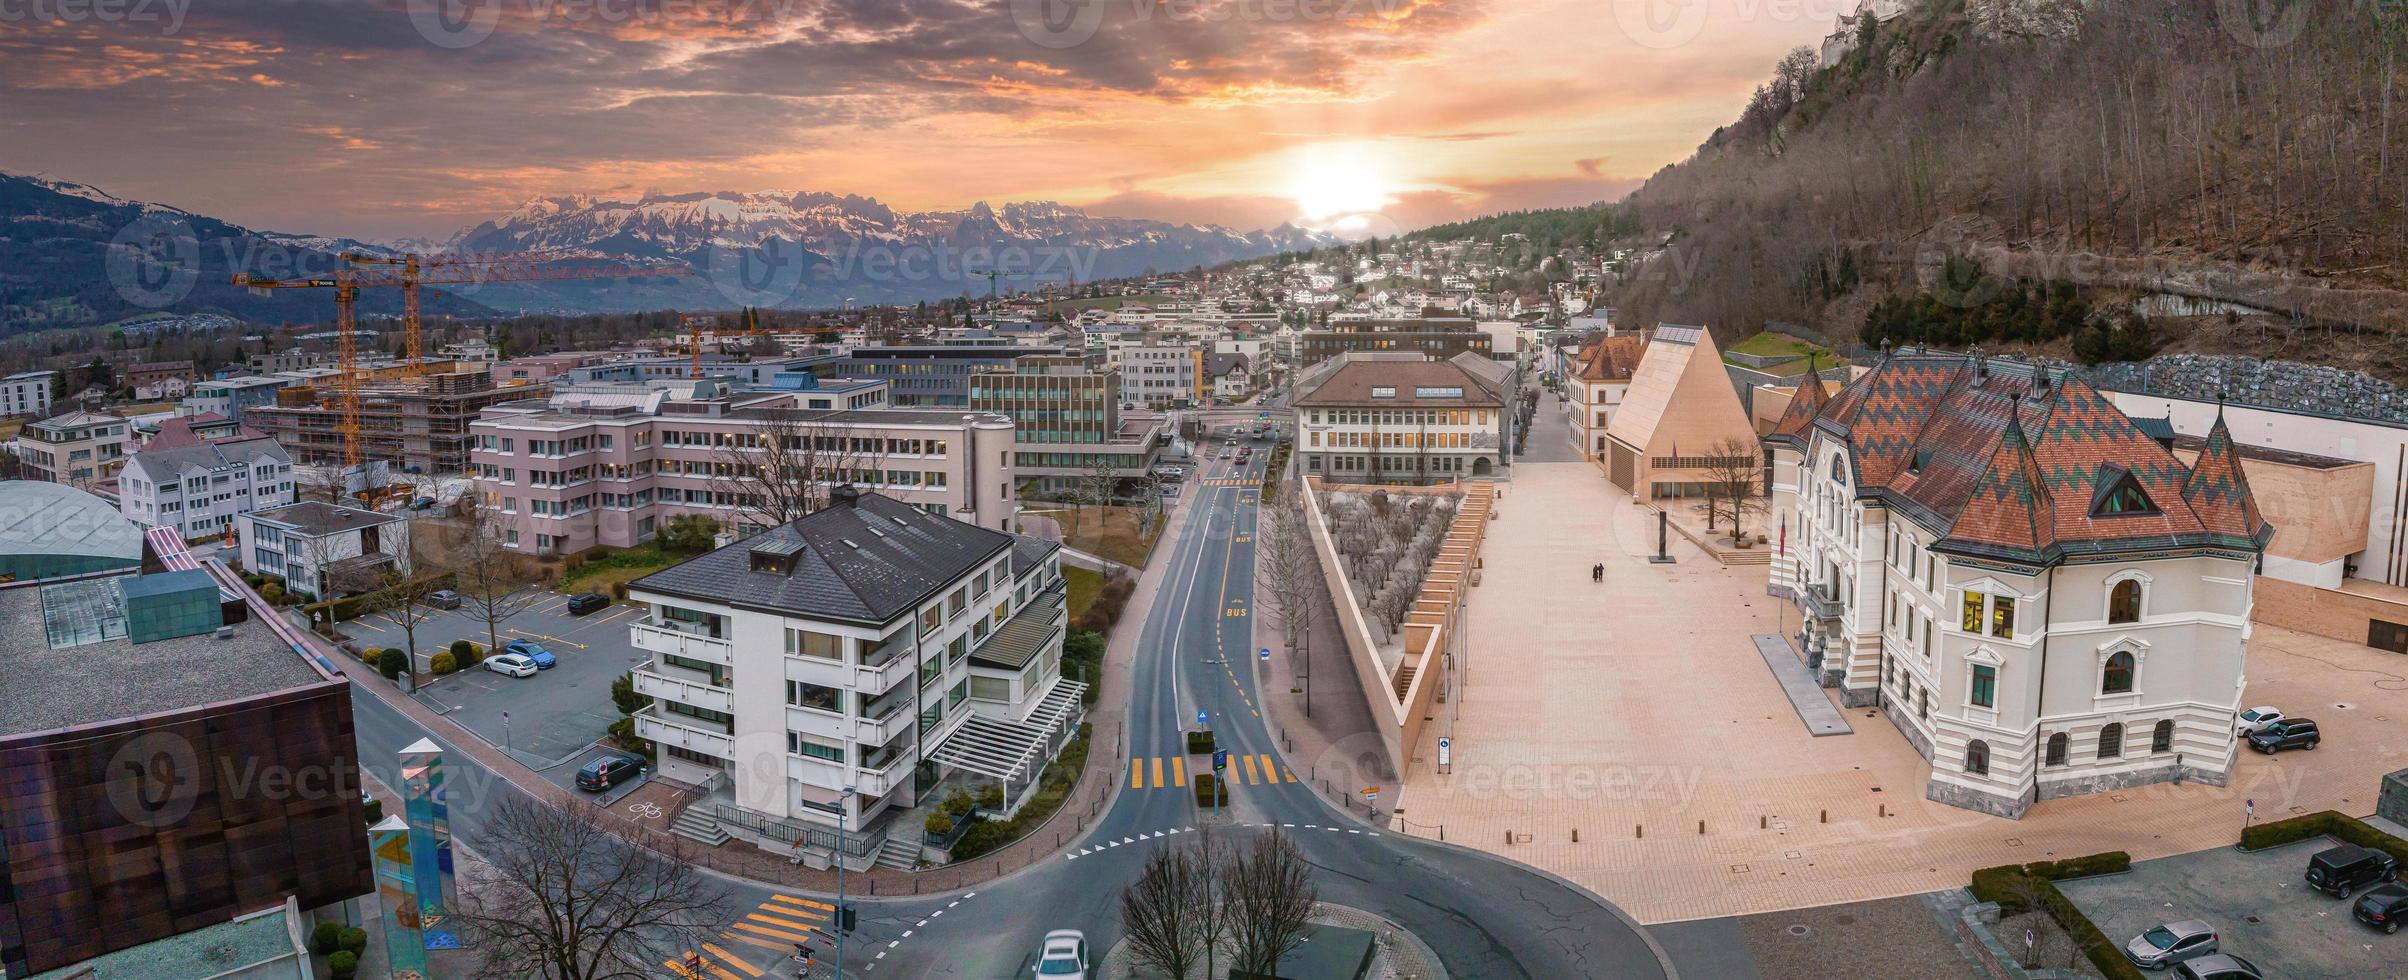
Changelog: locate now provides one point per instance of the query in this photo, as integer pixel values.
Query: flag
(1785, 534)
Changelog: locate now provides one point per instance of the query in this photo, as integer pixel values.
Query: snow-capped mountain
(790, 248)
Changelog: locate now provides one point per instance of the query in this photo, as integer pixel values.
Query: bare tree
(1733, 467)
(1212, 857)
(1163, 911)
(1285, 570)
(567, 899)
(1097, 485)
(785, 467)
(490, 578)
(1268, 891)
(401, 596)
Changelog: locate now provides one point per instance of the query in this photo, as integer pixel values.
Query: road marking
(1157, 772)
(1270, 770)
(1136, 773)
(373, 626)
(792, 900)
(1250, 776)
(751, 941)
(782, 923)
(1179, 770)
(616, 615)
(731, 959)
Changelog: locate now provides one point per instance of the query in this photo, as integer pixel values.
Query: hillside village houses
(2045, 600)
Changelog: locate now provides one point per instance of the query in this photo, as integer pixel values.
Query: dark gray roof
(1028, 553)
(317, 517)
(1021, 638)
(869, 561)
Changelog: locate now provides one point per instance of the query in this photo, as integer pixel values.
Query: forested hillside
(2239, 174)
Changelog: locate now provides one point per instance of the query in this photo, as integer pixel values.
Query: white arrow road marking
(1125, 840)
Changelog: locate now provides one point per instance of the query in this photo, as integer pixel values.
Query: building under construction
(418, 424)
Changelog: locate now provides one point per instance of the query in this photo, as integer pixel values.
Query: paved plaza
(1632, 712)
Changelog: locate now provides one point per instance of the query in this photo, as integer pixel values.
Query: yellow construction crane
(408, 271)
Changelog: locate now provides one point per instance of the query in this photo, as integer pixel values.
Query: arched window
(2123, 602)
(2056, 748)
(1977, 758)
(1839, 469)
(2111, 741)
(2117, 677)
(2161, 739)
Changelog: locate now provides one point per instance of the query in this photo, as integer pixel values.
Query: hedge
(2332, 823)
(2005, 885)
(1205, 790)
(1199, 743)
(353, 607)
(443, 663)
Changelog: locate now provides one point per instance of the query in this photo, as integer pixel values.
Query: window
(801, 744)
(1977, 758)
(804, 643)
(2056, 748)
(2123, 602)
(2002, 617)
(2161, 738)
(2116, 677)
(813, 696)
(2122, 494)
(1985, 686)
(1973, 613)
(2111, 741)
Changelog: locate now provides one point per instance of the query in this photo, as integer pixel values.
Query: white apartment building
(201, 488)
(830, 673)
(26, 393)
(608, 464)
(78, 449)
(1159, 376)
(310, 542)
(2035, 629)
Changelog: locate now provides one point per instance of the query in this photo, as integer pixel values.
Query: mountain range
(73, 255)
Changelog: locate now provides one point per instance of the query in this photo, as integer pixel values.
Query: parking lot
(2262, 910)
(548, 721)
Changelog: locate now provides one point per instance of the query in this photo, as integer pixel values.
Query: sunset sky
(384, 118)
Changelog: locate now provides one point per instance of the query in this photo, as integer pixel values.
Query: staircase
(899, 854)
(695, 823)
(1404, 681)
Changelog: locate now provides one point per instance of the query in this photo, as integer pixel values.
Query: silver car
(2171, 943)
(2220, 966)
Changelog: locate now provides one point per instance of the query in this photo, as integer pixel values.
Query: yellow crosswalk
(775, 925)
(1233, 483)
(1170, 772)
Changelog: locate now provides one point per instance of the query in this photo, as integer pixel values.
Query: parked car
(1063, 955)
(2256, 719)
(2220, 966)
(443, 599)
(2289, 733)
(422, 503)
(2382, 907)
(586, 602)
(515, 665)
(2345, 868)
(533, 652)
(2171, 943)
(609, 771)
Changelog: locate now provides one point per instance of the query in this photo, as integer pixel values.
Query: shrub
(938, 824)
(618, 590)
(443, 663)
(624, 696)
(991, 797)
(460, 650)
(1206, 791)
(1199, 743)
(622, 731)
(355, 940)
(2010, 886)
(958, 804)
(326, 938)
(271, 592)
(392, 663)
(343, 963)
(374, 811)
(2324, 823)
(2111, 862)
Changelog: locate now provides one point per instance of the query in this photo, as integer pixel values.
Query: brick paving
(1631, 711)
(1097, 786)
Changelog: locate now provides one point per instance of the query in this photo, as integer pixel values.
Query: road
(1484, 917)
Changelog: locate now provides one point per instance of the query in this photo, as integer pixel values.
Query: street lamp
(837, 920)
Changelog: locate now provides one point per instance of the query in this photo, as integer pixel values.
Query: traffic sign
(1203, 718)
(1444, 743)
(1371, 792)
(1220, 759)
(1266, 654)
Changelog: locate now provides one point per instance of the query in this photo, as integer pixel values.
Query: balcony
(884, 770)
(883, 719)
(658, 638)
(1818, 602)
(660, 684)
(887, 665)
(694, 734)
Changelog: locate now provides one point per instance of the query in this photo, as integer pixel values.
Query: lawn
(1774, 345)
(1084, 584)
(1110, 303)
(1110, 532)
(600, 574)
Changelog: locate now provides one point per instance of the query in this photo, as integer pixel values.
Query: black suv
(608, 771)
(2289, 733)
(2382, 907)
(587, 602)
(2338, 871)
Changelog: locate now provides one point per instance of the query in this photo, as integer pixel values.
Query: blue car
(543, 658)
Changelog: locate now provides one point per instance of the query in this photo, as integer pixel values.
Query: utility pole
(838, 920)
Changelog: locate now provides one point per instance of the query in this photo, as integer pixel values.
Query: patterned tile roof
(2007, 462)
(1803, 406)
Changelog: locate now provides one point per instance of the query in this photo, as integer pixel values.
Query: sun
(1333, 181)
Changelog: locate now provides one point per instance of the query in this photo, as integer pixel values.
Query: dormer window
(2120, 494)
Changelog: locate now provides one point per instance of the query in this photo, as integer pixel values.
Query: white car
(2256, 720)
(1064, 955)
(511, 664)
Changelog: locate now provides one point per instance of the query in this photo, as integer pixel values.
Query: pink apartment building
(610, 464)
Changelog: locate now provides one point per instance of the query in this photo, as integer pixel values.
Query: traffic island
(1343, 943)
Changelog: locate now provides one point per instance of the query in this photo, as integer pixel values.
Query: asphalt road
(1484, 917)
